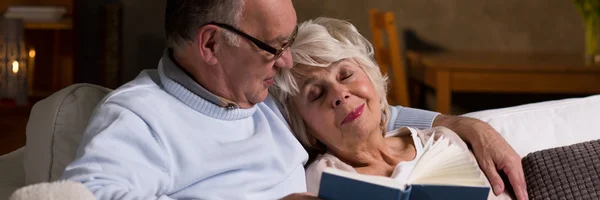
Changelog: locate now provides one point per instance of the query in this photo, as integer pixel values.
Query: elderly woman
(335, 102)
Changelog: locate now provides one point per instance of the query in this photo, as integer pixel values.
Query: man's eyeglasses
(268, 48)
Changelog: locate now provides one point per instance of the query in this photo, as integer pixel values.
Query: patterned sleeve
(411, 117)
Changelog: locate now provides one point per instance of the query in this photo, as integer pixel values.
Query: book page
(446, 163)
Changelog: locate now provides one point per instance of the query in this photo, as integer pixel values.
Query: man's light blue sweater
(154, 138)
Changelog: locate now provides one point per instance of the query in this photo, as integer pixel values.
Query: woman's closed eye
(314, 94)
(346, 76)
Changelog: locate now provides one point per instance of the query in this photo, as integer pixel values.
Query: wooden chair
(389, 57)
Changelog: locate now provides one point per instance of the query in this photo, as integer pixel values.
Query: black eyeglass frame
(260, 44)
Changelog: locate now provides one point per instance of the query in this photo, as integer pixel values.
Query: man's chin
(260, 97)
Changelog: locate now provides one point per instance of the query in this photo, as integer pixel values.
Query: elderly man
(203, 126)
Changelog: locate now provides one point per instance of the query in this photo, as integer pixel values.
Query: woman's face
(338, 104)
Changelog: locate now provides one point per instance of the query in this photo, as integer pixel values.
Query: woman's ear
(207, 42)
(384, 120)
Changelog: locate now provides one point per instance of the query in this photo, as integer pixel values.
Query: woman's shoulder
(315, 170)
(324, 161)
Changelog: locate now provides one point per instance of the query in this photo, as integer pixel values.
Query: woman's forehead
(306, 73)
(302, 70)
(310, 73)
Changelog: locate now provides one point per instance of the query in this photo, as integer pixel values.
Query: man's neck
(212, 78)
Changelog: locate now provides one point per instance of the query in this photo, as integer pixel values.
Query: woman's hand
(492, 152)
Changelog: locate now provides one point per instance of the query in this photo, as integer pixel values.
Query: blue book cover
(335, 187)
(444, 171)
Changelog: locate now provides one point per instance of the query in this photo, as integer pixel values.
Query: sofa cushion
(569, 172)
(54, 129)
(538, 126)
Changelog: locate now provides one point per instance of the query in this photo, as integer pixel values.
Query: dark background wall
(486, 25)
(86, 22)
(472, 25)
(142, 37)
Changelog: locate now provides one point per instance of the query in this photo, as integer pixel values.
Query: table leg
(442, 92)
(416, 94)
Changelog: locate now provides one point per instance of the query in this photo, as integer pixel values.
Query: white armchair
(53, 133)
(12, 173)
(57, 122)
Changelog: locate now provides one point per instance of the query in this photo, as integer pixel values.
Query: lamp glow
(15, 67)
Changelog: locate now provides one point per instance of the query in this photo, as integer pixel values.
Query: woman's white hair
(322, 42)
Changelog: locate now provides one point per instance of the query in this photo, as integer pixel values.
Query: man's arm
(403, 116)
(491, 150)
(120, 158)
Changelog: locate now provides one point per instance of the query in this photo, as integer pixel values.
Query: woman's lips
(354, 114)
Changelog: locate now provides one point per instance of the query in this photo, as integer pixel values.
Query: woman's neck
(378, 155)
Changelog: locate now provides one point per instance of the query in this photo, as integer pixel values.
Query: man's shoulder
(144, 89)
(272, 105)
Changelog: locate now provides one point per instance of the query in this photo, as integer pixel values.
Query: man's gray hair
(183, 18)
(320, 43)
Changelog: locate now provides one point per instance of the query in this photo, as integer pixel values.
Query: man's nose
(285, 61)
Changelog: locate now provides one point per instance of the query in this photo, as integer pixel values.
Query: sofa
(57, 122)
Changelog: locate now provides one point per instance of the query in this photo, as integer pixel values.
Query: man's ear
(207, 43)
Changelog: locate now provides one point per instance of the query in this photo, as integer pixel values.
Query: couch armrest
(12, 174)
(537, 126)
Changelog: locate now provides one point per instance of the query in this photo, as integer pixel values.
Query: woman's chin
(360, 128)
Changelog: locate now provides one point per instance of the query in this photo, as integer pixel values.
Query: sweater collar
(180, 84)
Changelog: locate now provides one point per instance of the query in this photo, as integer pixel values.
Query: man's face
(249, 70)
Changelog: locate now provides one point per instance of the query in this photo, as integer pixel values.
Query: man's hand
(300, 196)
(492, 152)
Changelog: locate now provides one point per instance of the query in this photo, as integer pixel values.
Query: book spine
(405, 195)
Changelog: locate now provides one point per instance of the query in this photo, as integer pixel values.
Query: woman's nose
(340, 98)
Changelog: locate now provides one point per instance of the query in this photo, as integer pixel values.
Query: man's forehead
(273, 19)
(278, 39)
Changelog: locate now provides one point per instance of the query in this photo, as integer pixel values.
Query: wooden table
(449, 72)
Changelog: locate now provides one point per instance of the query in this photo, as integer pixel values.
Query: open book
(444, 171)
